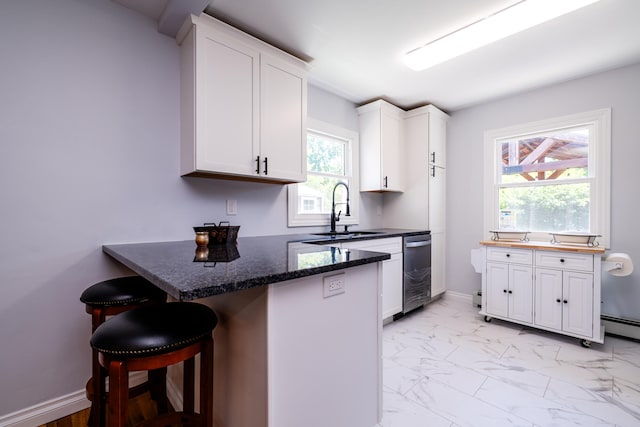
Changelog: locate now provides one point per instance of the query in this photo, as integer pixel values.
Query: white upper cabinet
(437, 138)
(282, 120)
(243, 106)
(381, 150)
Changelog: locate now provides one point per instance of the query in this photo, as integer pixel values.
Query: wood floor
(140, 408)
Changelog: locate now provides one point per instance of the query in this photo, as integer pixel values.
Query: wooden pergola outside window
(546, 157)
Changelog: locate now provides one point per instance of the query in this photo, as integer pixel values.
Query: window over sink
(550, 176)
(332, 157)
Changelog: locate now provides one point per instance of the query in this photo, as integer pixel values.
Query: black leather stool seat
(154, 329)
(151, 338)
(109, 298)
(122, 291)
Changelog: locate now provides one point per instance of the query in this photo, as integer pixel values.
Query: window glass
(325, 154)
(546, 208)
(320, 188)
(549, 156)
(330, 160)
(550, 176)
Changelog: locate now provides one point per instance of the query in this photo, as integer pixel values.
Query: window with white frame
(331, 151)
(550, 176)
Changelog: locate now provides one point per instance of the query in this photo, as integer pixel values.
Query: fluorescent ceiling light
(518, 17)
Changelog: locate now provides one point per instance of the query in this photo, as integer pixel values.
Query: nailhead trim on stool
(153, 337)
(109, 298)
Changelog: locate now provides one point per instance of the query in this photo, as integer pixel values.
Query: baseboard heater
(628, 328)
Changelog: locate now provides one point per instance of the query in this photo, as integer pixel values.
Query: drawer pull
(561, 259)
(508, 255)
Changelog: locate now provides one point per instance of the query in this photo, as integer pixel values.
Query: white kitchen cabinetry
(422, 205)
(381, 151)
(438, 249)
(243, 106)
(551, 287)
(392, 272)
(510, 286)
(564, 298)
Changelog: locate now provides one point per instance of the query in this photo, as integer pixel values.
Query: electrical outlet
(232, 207)
(333, 285)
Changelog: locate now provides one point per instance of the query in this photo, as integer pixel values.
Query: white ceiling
(355, 47)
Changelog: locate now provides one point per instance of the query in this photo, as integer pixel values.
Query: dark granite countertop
(254, 261)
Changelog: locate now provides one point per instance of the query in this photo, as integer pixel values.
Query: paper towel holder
(618, 264)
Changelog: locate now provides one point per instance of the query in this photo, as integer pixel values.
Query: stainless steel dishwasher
(417, 271)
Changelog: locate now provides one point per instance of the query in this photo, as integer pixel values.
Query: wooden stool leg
(188, 385)
(97, 414)
(206, 382)
(118, 393)
(158, 389)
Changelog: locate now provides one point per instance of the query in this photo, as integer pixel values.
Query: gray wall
(89, 128)
(619, 90)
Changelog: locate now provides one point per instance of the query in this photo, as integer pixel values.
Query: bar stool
(153, 337)
(109, 298)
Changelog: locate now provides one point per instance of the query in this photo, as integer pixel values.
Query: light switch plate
(232, 207)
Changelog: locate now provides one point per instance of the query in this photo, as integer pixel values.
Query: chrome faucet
(335, 218)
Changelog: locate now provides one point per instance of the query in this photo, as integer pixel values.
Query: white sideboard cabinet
(243, 105)
(542, 285)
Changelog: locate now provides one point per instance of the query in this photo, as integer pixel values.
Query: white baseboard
(174, 394)
(48, 411)
(59, 407)
(452, 294)
(622, 327)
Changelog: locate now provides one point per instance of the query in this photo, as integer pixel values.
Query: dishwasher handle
(417, 244)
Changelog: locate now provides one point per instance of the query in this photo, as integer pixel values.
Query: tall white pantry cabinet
(421, 201)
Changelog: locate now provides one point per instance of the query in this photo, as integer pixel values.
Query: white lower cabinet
(564, 301)
(555, 290)
(438, 264)
(510, 291)
(392, 272)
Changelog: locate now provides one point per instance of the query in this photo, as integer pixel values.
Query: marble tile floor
(445, 366)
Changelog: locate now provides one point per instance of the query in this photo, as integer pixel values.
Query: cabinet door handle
(504, 290)
(416, 244)
(508, 255)
(561, 259)
(558, 300)
(433, 157)
(266, 166)
(565, 301)
(510, 292)
(258, 165)
(386, 182)
(433, 171)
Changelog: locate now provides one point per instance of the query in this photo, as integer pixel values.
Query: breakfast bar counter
(299, 340)
(184, 272)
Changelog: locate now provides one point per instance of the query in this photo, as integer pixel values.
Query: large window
(550, 176)
(330, 159)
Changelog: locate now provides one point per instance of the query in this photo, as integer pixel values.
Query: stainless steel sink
(346, 234)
